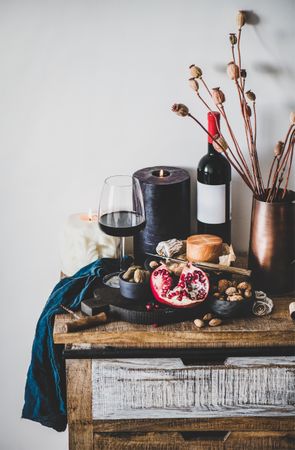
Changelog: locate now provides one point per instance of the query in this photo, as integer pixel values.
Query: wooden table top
(274, 330)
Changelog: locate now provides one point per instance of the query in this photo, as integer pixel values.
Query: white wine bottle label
(211, 203)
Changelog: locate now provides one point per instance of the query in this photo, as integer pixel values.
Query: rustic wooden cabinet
(179, 387)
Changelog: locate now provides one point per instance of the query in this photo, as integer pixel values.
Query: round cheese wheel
(203, 247)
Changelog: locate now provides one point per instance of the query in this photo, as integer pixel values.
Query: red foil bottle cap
(213, 124)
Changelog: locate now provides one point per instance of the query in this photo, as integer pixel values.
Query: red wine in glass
(121, 213)
(122, 223)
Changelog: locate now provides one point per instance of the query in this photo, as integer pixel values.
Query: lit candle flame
(161, 173)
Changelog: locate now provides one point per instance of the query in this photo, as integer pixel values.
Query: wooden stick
(68, 310)
(209, 266)
(86, 322)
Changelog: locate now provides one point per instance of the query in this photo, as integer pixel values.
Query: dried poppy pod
(233, 38)
(251, 96)
(218, 96)
(194, 84)
(180, 109)
(196, 72)
(292, 118)
(248, 110)
(221, 145)
(278, 148)
(241, 19)
(243, 73)
(233, 71)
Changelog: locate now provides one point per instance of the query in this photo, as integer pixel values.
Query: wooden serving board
(135, 311)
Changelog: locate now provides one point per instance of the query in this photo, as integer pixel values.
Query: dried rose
(251, 96)
(292, 117)
(233, 38)
(243, 73)
(194, 84)
(278, 148)
(196, 72)
(241, 19)
(220, 146)
(233, 71)
(180, 109)
(218, 96)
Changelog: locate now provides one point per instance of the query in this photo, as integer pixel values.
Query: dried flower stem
(239, 152)
(270, 171)
(289, 171)
(239, 53)
(206, 86)
(247, 173)
(281, 164)
(226, 155)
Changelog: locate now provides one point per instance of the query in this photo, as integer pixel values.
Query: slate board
(135, 311)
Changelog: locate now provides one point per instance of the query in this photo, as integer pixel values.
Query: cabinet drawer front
(194, 441)
(166, 388)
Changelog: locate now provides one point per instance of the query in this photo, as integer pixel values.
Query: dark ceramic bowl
(134, 291)
(226, 309)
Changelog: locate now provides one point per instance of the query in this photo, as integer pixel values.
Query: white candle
(82, 242)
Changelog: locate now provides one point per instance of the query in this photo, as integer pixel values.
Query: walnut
(231, 291)
(244, 285)
(216, 294)
(223, 285)
(235, 298)
(248, 293)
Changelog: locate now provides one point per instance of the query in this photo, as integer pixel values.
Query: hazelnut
(153, 264)
(215, 322)
(244, 285)
(199, 323)
(223, 285)
(207, 317)
(231, 291)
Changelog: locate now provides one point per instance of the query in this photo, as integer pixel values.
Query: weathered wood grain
(79, 404)
(165, 388)
(256, 423)
(201, 441)
(275, 330)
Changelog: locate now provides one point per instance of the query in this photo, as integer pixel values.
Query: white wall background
(86, 88)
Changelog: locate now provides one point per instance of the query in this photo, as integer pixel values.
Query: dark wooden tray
(135, 311)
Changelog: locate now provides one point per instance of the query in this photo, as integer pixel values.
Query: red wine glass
(121, 213)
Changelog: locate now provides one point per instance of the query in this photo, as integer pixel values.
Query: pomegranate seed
(148, 306)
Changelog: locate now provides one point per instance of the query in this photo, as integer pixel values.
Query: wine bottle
(214, 188)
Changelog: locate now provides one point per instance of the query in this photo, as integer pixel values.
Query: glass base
(112, 280)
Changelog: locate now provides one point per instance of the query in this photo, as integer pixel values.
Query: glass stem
(122, 253)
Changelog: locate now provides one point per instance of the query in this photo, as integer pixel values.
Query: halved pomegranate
(192, 287)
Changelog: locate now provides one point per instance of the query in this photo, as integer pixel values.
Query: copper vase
(272, 245)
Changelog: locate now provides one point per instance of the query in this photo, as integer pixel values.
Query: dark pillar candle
(167, 207)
